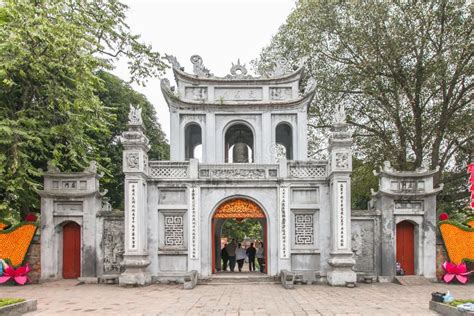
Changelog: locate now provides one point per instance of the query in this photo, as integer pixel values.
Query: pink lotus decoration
(455, 271)
(19, 275)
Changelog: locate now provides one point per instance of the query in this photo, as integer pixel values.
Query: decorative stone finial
(198, 68)
(52, 168)
(106, 206)
(173, 61)
(238, 70)
(280, 68)
(135, 115)
(340, 114)
(387, 166)
(92, 167)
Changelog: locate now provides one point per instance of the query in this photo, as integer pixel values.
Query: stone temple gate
(238, 150)
(252, 134)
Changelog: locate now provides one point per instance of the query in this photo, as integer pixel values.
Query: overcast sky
(220, 31)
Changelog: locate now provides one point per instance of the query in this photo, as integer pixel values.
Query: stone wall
(33, 258)
(365, 226)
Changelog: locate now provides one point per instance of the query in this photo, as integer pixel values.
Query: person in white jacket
(240, 256)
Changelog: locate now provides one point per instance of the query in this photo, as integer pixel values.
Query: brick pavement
(68, 298)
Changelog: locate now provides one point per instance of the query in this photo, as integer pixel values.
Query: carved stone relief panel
(113, 246)
(174, 230)
(240, 173)
(280, 93)
(196, 93)
(342, 160)
(238, 94)
(133, 160)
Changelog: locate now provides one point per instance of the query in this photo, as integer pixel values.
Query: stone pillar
(267, 131)
(175, 134)
(135, 168)
(340, 167)
(209, 149)
(302, 130)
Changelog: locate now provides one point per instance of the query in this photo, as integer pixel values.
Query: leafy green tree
(117, 95)
(250, 228)
(402, 69)
(363, 180)
(50, 52)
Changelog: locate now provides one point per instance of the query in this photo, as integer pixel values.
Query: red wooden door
(71, 251)
(405, 247)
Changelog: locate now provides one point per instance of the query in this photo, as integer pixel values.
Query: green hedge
(10, 301)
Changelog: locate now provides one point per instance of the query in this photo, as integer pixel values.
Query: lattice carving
(239, 208)
(174, 230)
(304, 229)
(169, 171)
(307, 171)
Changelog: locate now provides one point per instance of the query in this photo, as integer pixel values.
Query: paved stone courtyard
(68, 298)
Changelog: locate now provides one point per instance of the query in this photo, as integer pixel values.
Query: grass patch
(459, 302)
(10, 301)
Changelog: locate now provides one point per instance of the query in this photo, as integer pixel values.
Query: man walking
(224, 257)
(231, 254)
(251, 255)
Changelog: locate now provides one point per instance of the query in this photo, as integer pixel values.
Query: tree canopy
(117, 95)
(402, 69)
(248, 228)
(50, 89)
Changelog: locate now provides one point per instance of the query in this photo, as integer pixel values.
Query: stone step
(409, 280)
(239, 280)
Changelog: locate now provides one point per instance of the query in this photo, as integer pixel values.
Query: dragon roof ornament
(198, 67)
(238, 71)
(173, 61)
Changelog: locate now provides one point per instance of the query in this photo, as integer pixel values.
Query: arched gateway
(253, 142)
(237, 208)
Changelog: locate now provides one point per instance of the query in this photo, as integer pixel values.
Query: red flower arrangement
(31, 218)
(443, 217)
(19, 275)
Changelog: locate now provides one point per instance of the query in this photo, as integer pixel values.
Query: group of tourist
(234, 253)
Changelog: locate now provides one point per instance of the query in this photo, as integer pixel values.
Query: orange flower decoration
(459, 241)
(14, 242)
